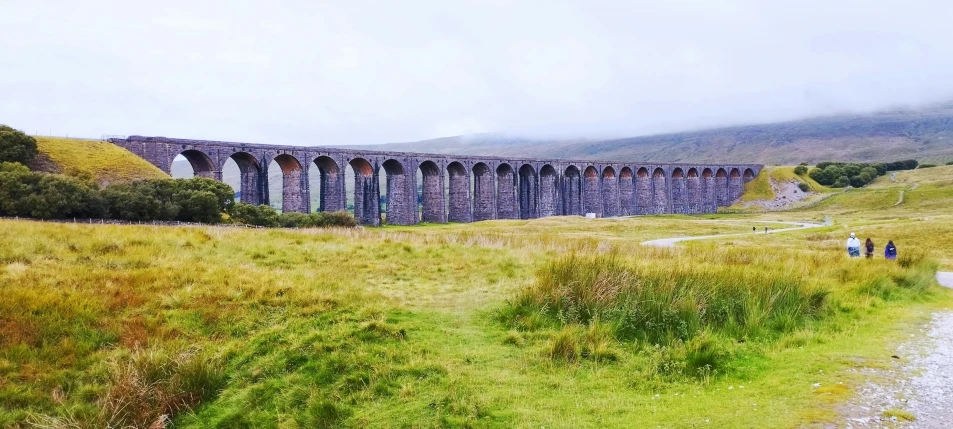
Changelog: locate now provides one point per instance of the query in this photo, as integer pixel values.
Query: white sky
(347, 72)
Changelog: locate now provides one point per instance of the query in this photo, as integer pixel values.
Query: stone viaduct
(457, 188)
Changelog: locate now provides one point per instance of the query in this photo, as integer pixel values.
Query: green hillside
(926, 135)
(104, 162)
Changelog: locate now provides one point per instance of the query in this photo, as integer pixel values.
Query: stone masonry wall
(502, 188)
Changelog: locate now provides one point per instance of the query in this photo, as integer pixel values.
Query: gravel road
(920, 382)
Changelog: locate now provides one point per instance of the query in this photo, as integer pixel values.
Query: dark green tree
(15, 146)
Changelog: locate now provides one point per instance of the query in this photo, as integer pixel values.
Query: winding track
(670, 242)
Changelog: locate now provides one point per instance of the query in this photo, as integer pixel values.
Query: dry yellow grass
(103, 162)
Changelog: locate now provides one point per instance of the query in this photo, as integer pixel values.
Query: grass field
(559, 322)
(103, 162)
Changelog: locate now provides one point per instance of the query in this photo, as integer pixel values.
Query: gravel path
(670, 242)
(920, 382)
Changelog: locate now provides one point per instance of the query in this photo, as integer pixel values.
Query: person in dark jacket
(890, 252)
(869, 248)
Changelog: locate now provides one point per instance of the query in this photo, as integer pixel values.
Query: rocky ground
(787, 193)
(917, 391)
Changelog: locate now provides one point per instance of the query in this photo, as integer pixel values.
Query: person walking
(853, 246)
(890, 252)
(869, 249)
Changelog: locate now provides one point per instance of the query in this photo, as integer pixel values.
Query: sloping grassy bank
(103, 162)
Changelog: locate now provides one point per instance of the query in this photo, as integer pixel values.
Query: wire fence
(94, 221)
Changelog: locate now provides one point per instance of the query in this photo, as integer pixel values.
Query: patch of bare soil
(786, 193)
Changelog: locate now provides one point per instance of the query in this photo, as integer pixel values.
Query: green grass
(559, 322)
(103, 162)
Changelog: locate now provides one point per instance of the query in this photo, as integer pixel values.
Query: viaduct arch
(455, 188)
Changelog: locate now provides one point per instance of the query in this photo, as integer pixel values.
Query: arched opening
(749, 174)
(365, 193)
(484, 207)
(678, 191)
(192, 163)
(694, 197)
(507, 206)
(572, 192)
(459, 192)
(430, 202)
(643, 192)
(626, 192)
(548, 191)
(242, 172)
(287, 180)
(709, 204)
(591, 191)
(399, 201)
(660, 195)
(610, 193)
(529, 188)
(735, 185)
(721, 187)
(326, 181)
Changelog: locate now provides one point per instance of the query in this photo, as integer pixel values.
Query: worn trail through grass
(670, 242)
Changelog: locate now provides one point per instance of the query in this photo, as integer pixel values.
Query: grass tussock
(702, 314)
(145, 389)
(661, 305)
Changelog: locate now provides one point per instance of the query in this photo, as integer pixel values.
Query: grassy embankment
(103, 162)
(486, 325)
(761, 189)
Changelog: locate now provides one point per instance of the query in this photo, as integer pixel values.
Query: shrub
(46, 196)
(189, 200)
(295, 220)
(926, 166)
(841, 182)
(949, 163)
(16, 146)
(800, 170)
(804, 187)
(249, 214)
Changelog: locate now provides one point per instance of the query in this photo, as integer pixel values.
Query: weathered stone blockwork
(456, 188)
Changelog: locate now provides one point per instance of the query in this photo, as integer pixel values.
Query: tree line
(843, 174)
(27, 193)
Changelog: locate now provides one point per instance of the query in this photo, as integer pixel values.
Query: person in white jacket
(853, 246)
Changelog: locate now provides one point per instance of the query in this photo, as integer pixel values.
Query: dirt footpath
(919, 385)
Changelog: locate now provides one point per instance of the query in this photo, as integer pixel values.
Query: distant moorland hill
(924, 134)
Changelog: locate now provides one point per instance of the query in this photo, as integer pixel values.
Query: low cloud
(374, 72)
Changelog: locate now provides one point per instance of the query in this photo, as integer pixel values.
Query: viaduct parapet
(456, 188)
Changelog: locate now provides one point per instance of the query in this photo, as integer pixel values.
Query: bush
(248, 214)
(800, 170)
(46, 196)
(908, 164)
(295, 220)
(15, 146)
(804, 187)
(949, 163)
(188, 200)
(927, 166)
(853, 174)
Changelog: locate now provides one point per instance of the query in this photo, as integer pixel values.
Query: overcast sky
(348, 72)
